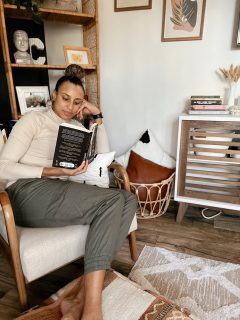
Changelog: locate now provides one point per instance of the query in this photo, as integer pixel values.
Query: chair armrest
(123, 174)
(9, 220)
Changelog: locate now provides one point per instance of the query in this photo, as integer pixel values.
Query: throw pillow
(148, 147)
(143, 171)
(97, 172)
(123, 299)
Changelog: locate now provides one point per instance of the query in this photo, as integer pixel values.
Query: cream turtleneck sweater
(31, 144)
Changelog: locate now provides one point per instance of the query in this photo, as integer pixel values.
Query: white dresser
(208, 162)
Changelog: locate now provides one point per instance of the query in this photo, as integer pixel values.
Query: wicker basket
(156, 199)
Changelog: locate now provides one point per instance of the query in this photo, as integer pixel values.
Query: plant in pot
(31, 6)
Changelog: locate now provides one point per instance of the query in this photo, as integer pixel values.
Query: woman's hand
(58, 172)
(87, 109)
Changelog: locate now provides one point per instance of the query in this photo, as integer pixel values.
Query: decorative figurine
(40, 46)
(20, 39)
(23, 43)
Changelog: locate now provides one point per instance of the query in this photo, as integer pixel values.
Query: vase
(232, 93)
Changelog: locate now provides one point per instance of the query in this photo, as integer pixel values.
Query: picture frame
(238, 32)
(78, 55)
(173, 27)
(128, 5)
(32, 98)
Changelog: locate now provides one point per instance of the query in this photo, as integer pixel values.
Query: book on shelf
(209, 107)
(207, 101)
(209, 97)
(208, 111)
(74, 144)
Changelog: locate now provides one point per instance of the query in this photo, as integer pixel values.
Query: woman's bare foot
(92, 316)
(73, 309)
(72, 306)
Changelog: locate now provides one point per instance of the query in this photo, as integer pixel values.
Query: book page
(92, 147)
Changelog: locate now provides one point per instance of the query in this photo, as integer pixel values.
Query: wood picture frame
(238, 32)
(128, 5)
(32, 98)
(182, 21)
(78, 55)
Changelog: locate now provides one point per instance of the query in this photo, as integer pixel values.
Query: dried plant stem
(232, 74)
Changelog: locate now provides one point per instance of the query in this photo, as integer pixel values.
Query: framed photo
(127, 5)
(32, 98)
(182, 20)
(238, 33)
(78, 55)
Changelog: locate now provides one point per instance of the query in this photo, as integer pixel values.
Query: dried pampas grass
(232, 74)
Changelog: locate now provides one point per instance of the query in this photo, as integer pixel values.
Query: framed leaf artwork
(183, 20)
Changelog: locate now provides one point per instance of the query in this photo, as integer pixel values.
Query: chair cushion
(63, 245)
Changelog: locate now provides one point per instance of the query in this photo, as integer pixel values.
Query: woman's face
(67, 100)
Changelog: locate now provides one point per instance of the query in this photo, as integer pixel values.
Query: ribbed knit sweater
(31, 145)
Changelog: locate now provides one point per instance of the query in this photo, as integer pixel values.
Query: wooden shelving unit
(47, 66)
(208, 162)
(88, 19)
(11, 11)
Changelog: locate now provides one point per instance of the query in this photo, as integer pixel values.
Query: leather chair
(34, 252)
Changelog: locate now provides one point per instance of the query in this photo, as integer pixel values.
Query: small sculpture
(40, 46)
(20, 39)
(23, 43)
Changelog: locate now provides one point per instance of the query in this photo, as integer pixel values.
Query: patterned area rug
(209, 289)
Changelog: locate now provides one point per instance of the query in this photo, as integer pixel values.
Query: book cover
(209, 107)
(208, 112)
(213, 97)
(74, 144)
(205, 102)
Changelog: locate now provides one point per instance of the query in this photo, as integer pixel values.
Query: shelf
(11, 11)
(47, 66)
(88, 35)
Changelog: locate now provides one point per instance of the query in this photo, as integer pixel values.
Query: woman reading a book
(42, 195)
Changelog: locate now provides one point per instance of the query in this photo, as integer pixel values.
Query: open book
(74, 144)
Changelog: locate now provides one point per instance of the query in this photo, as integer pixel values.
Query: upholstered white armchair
(37, 251)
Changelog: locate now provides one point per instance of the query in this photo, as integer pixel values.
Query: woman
(42, 195)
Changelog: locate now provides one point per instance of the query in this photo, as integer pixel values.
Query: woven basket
(154, 204)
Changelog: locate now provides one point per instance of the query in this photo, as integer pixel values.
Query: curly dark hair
(74, 74)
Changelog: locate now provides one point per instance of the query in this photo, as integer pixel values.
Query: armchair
(35, 252)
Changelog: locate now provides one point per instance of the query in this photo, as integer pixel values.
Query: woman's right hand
(58, 172)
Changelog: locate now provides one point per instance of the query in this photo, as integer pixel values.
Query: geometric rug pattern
(209, 289)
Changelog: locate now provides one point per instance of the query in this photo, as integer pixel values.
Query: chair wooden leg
(20, 282)
(22, 290)
(133, 246)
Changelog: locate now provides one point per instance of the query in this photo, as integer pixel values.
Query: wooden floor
(195, 236)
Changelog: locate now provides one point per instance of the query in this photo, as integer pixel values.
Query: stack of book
(211, 104)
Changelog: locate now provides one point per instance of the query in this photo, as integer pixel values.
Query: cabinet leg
(181, 211)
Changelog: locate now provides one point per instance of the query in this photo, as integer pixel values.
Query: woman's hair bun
(74, 70)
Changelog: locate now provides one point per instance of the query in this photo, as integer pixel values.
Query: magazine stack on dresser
(211, 104)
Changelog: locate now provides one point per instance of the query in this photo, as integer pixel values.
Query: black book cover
(74, 144)
(206, 102)
(212, 97)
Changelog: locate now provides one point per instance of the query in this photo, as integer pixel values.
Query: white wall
(58, 35)
(145, 83)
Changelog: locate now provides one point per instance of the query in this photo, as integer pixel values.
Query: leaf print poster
(183, 19)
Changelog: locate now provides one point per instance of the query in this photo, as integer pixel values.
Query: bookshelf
(88, 18)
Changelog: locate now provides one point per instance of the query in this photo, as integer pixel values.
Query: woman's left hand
(87, 109)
